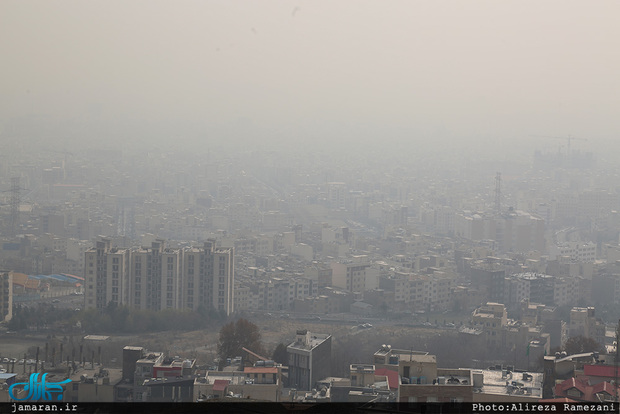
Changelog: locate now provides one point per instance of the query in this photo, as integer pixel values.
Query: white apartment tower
(106, 275)
(223, 279)
(158, 277)
(6, 295)
(155, 274)
(208, 278)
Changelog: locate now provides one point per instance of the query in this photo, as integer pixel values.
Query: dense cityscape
(516, 270)
(275, 205)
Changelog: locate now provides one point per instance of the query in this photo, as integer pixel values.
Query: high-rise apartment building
(6, 296)
(159, 277)
(106, 275)
(155, 274)
(223, 279)
(208, 278)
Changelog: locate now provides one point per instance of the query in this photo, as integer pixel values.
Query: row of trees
(38, 316)
(123, 319)
(114, 319)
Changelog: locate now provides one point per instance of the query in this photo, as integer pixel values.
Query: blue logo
(39, 390)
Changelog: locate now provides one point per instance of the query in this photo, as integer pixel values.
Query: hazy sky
(308, 69)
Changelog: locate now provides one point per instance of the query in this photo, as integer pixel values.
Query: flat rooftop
(114, 374)
(315, 340)
(362, 368)
(494, 382)
(96, 338)
(417, 358)
(234, 378)
(150, 357)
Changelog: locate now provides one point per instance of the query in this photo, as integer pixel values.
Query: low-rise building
(583, 322)
(428, 383)
(309, 359)
(92, 385)
(254, 383)
(506, 385)
(362, 374)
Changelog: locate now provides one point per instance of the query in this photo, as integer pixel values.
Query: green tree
(280, 355)
(237, 335)
(581, 344)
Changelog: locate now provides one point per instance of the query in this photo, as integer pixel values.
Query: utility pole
(616, 363)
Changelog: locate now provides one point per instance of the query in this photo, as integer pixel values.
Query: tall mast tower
(498, 192)
(15, 202)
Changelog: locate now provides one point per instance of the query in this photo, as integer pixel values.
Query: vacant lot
(350, 344)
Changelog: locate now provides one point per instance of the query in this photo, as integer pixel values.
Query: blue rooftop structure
(63, 277)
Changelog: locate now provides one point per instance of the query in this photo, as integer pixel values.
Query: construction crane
(567, 138)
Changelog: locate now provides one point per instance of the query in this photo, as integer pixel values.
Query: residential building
(488, 278)
(6, 296)
(208, 278)
(337, 195)
(143, 372)
(159, 277)
(259, 382)
(319, 273)
(351, 275)
(423, 382)
(513, 230)
(580, 389)
(491, 319)
(106, 276)
(583, 322)
(577, 251)
(169, 389)
(504, 384)
(362, 374)
(156, 278)
(309, 359)
(93, 384)
(501, 333)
